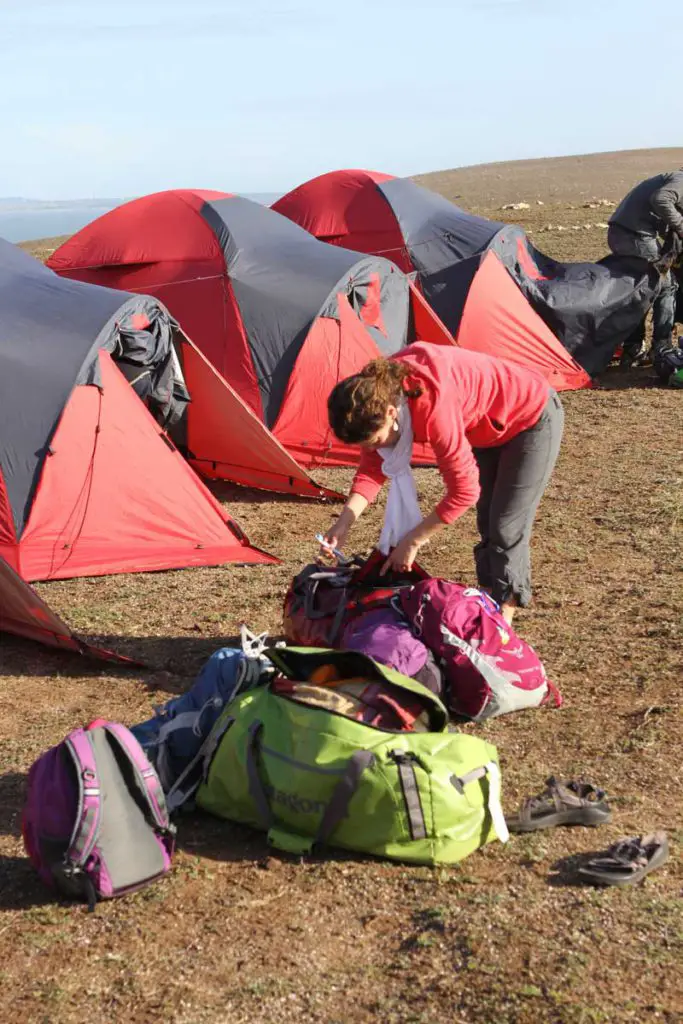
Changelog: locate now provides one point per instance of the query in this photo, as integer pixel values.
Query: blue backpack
(173, 738)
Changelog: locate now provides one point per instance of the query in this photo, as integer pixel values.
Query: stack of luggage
(342, 739)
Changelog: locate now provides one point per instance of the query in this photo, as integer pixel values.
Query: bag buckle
(254, 644)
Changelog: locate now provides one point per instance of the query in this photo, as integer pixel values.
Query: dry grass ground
(237, 936)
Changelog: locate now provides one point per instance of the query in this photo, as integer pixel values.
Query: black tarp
(591, 307)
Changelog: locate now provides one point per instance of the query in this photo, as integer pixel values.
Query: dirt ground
(236, 935)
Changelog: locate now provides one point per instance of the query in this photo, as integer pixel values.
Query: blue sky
(104, 98)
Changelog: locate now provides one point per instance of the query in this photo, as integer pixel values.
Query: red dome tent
(89, 483)
(281, 316)
(451, 254)
(25, 614)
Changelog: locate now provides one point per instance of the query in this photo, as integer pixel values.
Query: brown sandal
(562, 803)
(627, 861)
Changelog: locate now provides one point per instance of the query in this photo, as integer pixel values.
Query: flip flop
(562, 803)
(627, 861)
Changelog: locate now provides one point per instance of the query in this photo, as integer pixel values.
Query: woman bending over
(495, 429)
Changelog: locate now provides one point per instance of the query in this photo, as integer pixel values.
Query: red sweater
(469, 400)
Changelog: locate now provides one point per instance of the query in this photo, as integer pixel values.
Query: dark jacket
(654, 207)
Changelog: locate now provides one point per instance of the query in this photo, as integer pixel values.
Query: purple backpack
(385, 635)
(489, 669)
(95, 823)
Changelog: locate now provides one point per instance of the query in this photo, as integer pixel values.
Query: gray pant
(513, 478)
(628, 243)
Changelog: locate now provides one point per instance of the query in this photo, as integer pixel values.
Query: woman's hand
(405, 552)
(336, 536)
(402, 557)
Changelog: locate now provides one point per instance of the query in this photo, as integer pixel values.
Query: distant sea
(22, 221)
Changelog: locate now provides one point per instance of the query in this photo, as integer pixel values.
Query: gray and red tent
(89, 482)
(466, 263)
(279, 315)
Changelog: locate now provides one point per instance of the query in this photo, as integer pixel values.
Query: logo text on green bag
(294, 802)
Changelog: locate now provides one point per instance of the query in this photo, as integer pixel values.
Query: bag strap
(145, 775)
(553, 695)
(250, 672)
(411, 793)
(491, 772)
(89, 810)
(310, 610)
(314, 614)
(334, 813)
(337, 621)
(192, 776)
(338, 807)
(349, 608)
(494, 804)
(186, 720)
(377, 597)
(256, 787)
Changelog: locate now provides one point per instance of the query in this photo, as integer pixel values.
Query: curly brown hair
(357, 407)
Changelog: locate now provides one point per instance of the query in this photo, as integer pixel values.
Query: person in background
(495, 429)
(648, 223)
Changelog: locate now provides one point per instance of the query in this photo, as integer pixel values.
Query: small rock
(160, 680)
(268, 864)
(594, 203)
(516, 206)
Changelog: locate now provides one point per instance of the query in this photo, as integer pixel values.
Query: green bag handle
(338, 807)
(299, 663)
(256, 788)
(279, 835)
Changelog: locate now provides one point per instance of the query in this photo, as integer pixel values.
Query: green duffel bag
(310, 776)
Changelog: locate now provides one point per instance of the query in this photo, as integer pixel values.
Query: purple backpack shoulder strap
(88, 814)
(146, 775)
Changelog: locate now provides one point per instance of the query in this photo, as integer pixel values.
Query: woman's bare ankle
(507, 610)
